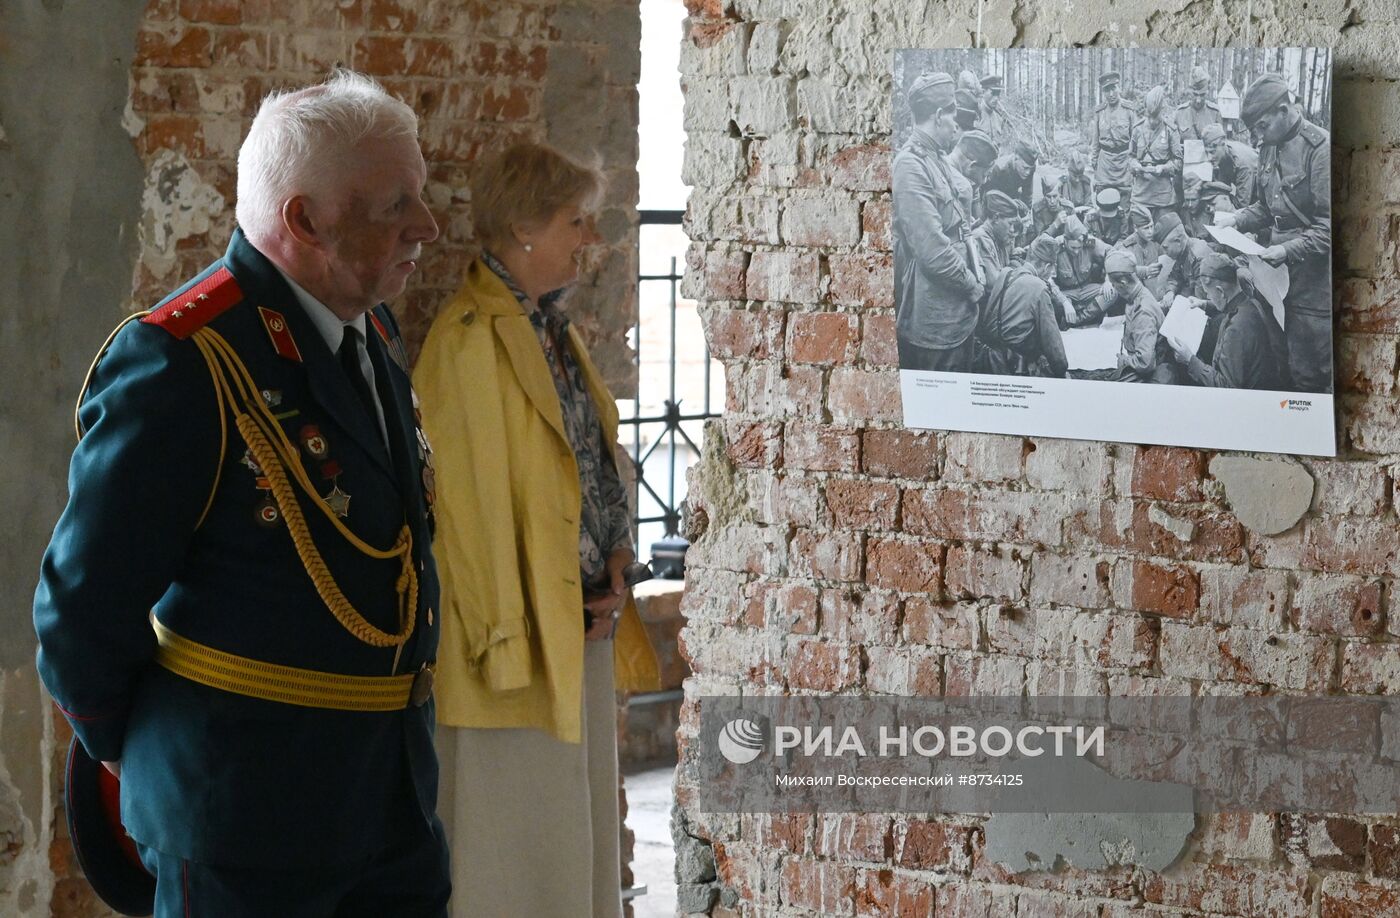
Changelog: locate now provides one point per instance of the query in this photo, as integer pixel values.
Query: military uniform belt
(289, 684)
(1113, 147)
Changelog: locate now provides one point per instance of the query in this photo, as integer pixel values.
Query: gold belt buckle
(422, 688)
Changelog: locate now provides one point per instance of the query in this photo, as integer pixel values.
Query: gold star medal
(338, 501)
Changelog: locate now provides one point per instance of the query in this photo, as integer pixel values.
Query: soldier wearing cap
(1147, 251)
(1049, 212)
(239, 608)
(1186, 253)
(972, 156)
(994, 120)
(1013, 174)
(1140, 355)
(1018, 331)
(1155, 154)
(968, 110)
(1079, 273)
(1292, 213)
(1193, 117)
(1110, 139)
(1236, 163)
(992, 241)
(936, 292)
(1249, 351)
(1075, 185)
(1106, 221)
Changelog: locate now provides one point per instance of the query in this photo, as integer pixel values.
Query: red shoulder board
(198, 306)
(281, 335)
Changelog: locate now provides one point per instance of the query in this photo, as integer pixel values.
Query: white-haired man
(238, 609)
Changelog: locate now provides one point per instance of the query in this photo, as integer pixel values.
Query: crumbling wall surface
(838, 552)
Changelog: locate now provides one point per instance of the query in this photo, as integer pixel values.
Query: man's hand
(1180, 349)
(114, 767)
(1224, 219)
(1274, 255)
(1152, 269)
(607, 608)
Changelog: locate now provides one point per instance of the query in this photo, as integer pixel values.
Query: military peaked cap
(979, 146)
(1263, 94)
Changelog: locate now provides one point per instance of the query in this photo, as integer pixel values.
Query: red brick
(910, 567)
(380, 16)
(515, 104)
(1348, 606)
(853, 837)
(498, 59)
(241, 50)
(1384, 848)
(865, 167)
(754, 445)
(1342, 897)
(784, 277)
(1003, 516)
(735, 334)
(1167, 473)
(864, 395)
(708, 34)
(826, 555)
(819, 448)
(875, 225)
(1370, 305)
(904, 671)
(859, 617)
(1137, 526)
(1171, 591)
(975, 902)
(862, 279)
(1230, 889)
(973, 573)
(223, 12)
(940, 624)
(822, 337)
(721, 273)
(159, 90)
(178, 47)
(877, 342)
(381, 54)
(888, 893)
(1352, 546)
(922, 844)
(824, 666)
(989, 674)
(870, 505)
(1371, 669)
(1323, 842)
(900, 453)
(183, 133)
(1365, 363)
(778, 831)
(706, 9)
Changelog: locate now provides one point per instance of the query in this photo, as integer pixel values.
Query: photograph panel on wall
(1116, 244)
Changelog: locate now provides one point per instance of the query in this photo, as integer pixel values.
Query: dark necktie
(350, 363)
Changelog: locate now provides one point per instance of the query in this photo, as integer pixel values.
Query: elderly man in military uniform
(1292, 213)
(1155, 156)
(1110, 138)
(936, 293)
(1236, 164)
(1194, 116)
(1105, 221)
(1018, 333)
(238, 611)
(1249, 351)
(994, 121)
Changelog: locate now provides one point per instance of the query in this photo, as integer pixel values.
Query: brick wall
(837, 552)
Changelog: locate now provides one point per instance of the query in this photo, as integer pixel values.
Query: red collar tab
(196, 307)
(394, 345)
(281, 335)
(379, 327)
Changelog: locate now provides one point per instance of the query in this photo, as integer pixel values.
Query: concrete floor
(654, 859)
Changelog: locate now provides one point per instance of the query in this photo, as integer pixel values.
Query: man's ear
(304, 222)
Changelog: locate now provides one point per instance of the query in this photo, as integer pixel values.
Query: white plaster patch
(176, 204)
(133, 123)
(1182, 529)
(1269, 496)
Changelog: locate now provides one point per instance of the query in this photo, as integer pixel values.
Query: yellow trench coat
(508, 503)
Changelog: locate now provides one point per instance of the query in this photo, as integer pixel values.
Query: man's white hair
(299, 140)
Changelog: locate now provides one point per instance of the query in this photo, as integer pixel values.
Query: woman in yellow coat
(532, 517)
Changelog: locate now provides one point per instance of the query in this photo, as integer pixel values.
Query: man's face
(977, 172)
(1023, 168)
(1216, 294)
(1273, 124)
(1111, 95)
(945, 130)
(1175, 243)
(1146, 231)
(1052, 198)
(382, 224)
(1003, 228)
(1216, 149)
(1074, 244)
(1123, 282)
(1198, 99)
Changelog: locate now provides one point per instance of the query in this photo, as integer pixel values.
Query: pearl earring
(529, 248)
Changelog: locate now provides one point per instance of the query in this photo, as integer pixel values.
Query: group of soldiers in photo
(998, 253)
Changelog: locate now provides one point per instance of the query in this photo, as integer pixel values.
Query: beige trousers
(533, 822)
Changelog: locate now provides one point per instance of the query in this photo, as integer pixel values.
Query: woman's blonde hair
(528, 183)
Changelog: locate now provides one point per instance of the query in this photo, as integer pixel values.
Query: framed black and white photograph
(1116, 244)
